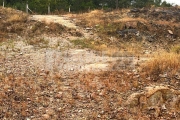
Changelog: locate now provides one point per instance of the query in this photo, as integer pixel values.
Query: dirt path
(55, 19)
(74, 59)
(61, 55)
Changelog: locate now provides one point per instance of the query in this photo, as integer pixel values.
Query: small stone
(46, 27)
(79, 111)
(102, 112)
(91, 33)
(60, 109)
(88, 28)
(59, 95)
(46, 116)
(42, 74)
(50, 111)
(170, 32)
(177, 77)
(163, 107)
(72, 69)
(163, 75)
(9, 71)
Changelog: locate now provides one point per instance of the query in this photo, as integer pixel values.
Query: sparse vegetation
(167, 64)
(176, 49)
(97, 69)
(83, 43)
(17, 18)
(39, 42)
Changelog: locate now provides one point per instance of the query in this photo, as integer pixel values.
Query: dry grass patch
(92, 18)
(12, 15)
(127, 19)
(123, 49)
(3, 36)
(17, 18)
(176, 49)
(167, 23)
(40, 42)
(165, 64)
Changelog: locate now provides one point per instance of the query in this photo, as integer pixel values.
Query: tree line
(41, 6)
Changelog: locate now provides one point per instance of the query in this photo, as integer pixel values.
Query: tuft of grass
(41, 42)
(164, 63)
(176, 49)
(92, 18)
(125, 49)
(17, 18)
(82, 43)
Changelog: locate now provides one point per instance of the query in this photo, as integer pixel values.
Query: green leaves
(41, 6)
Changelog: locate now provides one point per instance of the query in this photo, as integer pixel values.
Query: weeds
(17, 18)
(165, 63)
(41, 42)
(176, 49)
(82, 43)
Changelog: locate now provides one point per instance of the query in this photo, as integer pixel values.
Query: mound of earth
(154, 27)
(16, 23)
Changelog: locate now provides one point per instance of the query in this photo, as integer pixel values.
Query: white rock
(170, 32)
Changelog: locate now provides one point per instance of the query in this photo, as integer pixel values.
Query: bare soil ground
(66, 67)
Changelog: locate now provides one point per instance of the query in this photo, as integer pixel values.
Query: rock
(46, 116)
(133, 99)
(170, 32)
(91, 33)
(147, 52)
(127, 32)
(59, 95)
(163, 107)
(50, 111)
(155, 97)
(163, 75)
(135, 10)
(46, 27)
(60, 109)
(177, 76)
(96, 25)
(72, 69)
(42, 74)
(88, 28)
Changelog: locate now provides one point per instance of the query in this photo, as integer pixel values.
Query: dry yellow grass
(17, 18)
(127, 19)
(99, 17)
(92, 18)
(163, 63)
(167, 23)
(176, 49)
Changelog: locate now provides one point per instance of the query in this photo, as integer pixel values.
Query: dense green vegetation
(41, 6)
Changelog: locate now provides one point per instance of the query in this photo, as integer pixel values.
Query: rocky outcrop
(155, 100)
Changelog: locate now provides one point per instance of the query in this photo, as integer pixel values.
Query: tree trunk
(117, 4)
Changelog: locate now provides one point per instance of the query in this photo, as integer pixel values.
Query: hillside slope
(117, 65)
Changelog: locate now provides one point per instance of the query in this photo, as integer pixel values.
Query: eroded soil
(45, 76)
